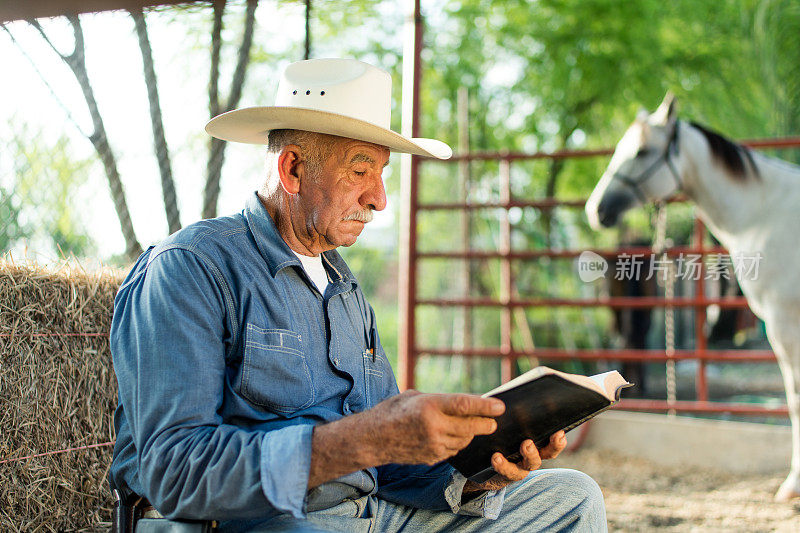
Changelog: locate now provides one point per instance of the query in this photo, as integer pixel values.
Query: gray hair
(316, 148)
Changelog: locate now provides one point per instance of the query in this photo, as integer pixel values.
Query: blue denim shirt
(226, 356)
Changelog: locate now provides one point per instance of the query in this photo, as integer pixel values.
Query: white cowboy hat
(341, 97)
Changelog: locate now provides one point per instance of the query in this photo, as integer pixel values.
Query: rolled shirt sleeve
(436, 488)
(487, 504)
(285, 464)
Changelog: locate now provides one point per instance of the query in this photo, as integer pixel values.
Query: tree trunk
(157, 123)
(217, 147)
(216, 46)
(77, 63)
(308, 30)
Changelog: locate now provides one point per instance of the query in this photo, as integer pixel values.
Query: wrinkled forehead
(629, 145)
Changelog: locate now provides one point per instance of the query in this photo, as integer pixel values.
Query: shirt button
(346, 407)
(336, 361)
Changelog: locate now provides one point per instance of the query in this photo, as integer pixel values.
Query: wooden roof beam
(28, 9)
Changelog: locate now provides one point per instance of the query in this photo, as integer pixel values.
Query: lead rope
(660, 248)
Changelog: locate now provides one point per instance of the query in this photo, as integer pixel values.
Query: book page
(606, 384)
(610, 382)
(614, 383)
(530, 375)
(600, 379)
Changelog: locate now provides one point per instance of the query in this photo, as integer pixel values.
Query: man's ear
(291, 168)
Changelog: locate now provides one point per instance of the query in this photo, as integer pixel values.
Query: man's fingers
(558, 441)
(531, 460)
(469, 426)
(508, 470)
(470, 405)
(449, 446)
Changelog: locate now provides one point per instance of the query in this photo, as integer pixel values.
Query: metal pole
(701, 385)
(616, 302)
(409, 175)
(465, 179)
(507, 362)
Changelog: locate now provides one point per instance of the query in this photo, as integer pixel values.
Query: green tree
(12, 229)
(776, 40)
(48, 181)
(76, 61)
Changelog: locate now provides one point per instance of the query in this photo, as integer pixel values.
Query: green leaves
(45, 205)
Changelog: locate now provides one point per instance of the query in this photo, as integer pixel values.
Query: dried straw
(57, 391)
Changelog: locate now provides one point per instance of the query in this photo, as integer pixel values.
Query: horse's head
(642, 169)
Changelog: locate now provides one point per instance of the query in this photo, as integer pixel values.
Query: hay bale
(57, 391)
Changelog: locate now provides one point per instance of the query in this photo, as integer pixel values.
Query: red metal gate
(508, 353)
(408, 348)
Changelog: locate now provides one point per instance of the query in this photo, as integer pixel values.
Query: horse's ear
(665, 114)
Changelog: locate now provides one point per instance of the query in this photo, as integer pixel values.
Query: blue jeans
(547, 500)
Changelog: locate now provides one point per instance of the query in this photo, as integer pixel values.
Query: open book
(539, 403)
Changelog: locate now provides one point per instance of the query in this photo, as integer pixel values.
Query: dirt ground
(642, 496)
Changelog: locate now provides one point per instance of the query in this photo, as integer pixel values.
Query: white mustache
(364, 216)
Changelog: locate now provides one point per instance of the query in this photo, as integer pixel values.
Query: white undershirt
(315, 270)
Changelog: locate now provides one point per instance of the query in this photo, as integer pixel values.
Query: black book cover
(534, 410)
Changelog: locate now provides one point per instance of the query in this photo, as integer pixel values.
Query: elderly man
(253, 388)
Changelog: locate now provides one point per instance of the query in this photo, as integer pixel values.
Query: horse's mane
(735, 157)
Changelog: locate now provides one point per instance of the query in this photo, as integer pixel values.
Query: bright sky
(115, 67)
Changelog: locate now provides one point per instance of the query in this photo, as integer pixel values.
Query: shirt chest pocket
(274, 371)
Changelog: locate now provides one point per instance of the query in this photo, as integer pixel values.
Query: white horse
(749, 201)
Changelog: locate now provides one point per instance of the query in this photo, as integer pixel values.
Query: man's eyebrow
(364, 158)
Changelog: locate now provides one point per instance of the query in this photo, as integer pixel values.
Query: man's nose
(374, 197)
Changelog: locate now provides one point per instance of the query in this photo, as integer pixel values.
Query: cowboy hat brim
(252, 124)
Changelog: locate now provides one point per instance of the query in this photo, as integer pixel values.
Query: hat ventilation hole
(322, 93)
(294, 92)
(308, 92)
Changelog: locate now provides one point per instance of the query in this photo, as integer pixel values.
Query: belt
(148, 511)
(151, 512)
(128, 511)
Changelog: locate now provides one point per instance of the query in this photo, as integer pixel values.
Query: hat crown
(343, 86)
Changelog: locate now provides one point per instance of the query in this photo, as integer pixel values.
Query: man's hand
(508, 472)
(416, 428)
(409, 428)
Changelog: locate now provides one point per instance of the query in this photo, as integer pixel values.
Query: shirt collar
(276, 252)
